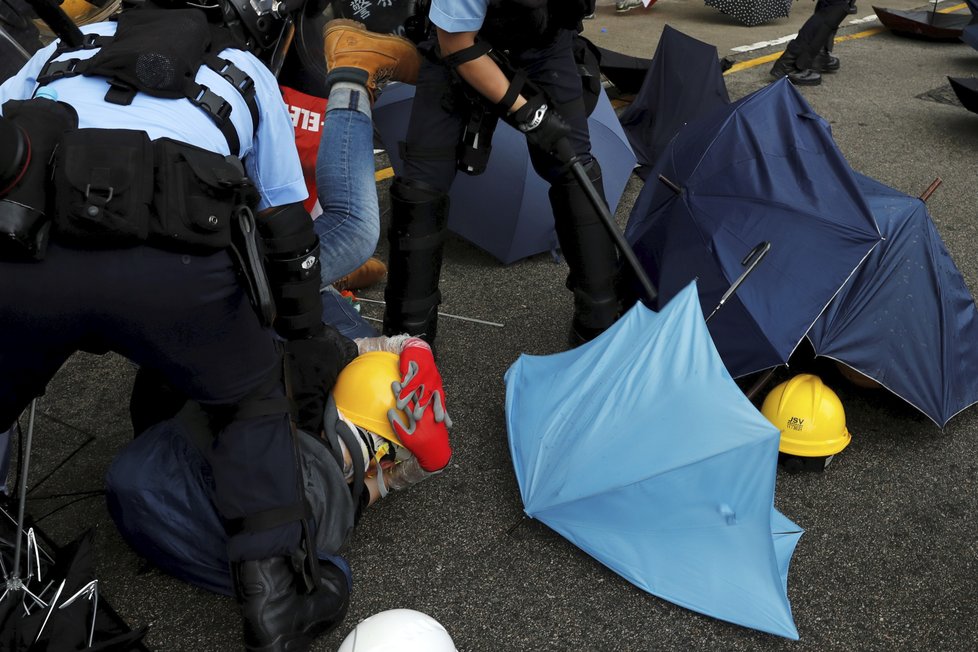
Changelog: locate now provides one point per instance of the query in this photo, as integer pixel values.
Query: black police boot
(824, 61)
(277, 617)
(419, 225)
(591, 255)
(786, 66)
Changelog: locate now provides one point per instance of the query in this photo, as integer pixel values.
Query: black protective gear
(277, 617)
(292, 265)
(16, 154)
(825, 61)
(158, 53)
(419, 225)
(522, 24)
(591, 255)
(34, 131)
(543, 126)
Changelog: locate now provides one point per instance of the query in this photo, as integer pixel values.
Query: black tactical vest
(523, 24)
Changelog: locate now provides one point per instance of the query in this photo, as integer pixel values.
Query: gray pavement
(888, 560)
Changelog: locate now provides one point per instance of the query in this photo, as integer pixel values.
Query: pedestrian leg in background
(807, 56)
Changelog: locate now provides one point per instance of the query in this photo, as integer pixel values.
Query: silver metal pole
(22, 491)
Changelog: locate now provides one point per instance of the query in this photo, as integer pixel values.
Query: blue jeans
(349, 227)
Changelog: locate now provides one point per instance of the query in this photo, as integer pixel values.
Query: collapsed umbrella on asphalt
(683, 83)
(966, 90)
(906, 318)
(691, 520)
(925, 23)
(752, 12)
(763, 169)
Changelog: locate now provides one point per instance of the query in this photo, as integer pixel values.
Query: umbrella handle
(564, 152)
(924, 196)
(755, 256)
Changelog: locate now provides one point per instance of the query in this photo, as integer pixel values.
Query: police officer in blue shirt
(537, 89)
(130, 250)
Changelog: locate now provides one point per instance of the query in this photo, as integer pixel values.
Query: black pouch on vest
(196, 194)
(25, 209)
(103, 188)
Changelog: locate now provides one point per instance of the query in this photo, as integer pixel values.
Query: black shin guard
(419, 223)
(591, 255)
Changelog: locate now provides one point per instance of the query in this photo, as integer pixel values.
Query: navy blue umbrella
(683, 83)
(505, 210)
(906, 319)
(970, 32)
(764, 169)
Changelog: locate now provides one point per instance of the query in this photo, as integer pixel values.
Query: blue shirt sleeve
(273, 161)
(458, 15)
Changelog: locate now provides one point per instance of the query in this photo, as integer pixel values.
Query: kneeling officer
(167, 140)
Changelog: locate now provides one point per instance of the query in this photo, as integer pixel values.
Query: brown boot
(370, 273)
(384, 57)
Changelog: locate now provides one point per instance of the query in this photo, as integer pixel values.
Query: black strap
(120, 93)
(456, 59)
(417, 243)
(215, 106)
(268, 519)
(335, 430)
(420, 153)
(515, 88)
(419, 305)
(238, 78)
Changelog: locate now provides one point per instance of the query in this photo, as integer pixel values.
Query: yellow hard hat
(363, 392)
(809, 415)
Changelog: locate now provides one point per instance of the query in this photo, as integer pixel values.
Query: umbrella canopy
(691, 519)
(752, 12)
(623, 70)
(966, 89)
(683, 83)
(970, 32)
(906, 318)
(505, 210)
(764, 169)
(924, 24)
(59, 606)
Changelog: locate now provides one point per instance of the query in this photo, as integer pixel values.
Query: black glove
(314, 364)
(544, 128)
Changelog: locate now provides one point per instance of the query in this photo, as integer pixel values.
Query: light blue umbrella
(640, 449)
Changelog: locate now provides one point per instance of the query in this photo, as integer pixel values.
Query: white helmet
(398, 630)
